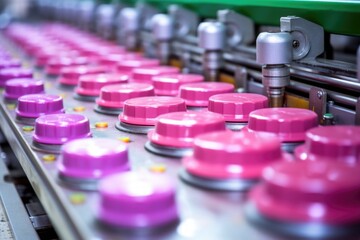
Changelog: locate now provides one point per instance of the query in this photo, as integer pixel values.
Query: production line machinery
(184, 72)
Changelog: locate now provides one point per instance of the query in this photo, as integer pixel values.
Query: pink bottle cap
(93, 158)
(115, 59)
(337, 143)
(198, 94)
(16, 88)
(71, 75)
(289, 124)
(61, 128)
(56, 65)
(128, 65)
(44, 58)
(145, 74)
(10, 73)
(9, 63)
(114, 96)
(233, 155)
(145, 110)
(169, 84)
(236, 107)
(35, 105)
(137, 200)
(179, 129)
(312, 191)
(90, 85)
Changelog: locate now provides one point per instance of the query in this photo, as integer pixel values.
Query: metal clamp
(317, 101)
(240, 30)
(185, 21)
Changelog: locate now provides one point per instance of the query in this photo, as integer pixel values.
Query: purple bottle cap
(312, 191)
(337, 143)
(9, 63)
(93, 158)
(198, 94)
(35, 105)
(16, 88)
(236, 107)
(10, 73)
(137, 200)
(61, 128)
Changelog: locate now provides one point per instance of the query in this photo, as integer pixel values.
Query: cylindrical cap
(114, 96)
(9, 63)
(162, 27)
(137, 200)
(179, 129)
(90, 85)
(145, 110)
(35, 105)
(289, 124)
(129, 20)
(71, 75)
(56, 65)
(211, 35)
(10, 73)
(274, 48)
(337, 143)
(169, 84)
(236, 107)
(61, 128)
(312, 191)
(128, 65)
(233, 155)
(16, 88)
(115, 59)
(198, 94)
(93, 158)
(145, 74)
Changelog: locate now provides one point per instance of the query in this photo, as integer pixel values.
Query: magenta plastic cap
(179, 129)
(233, 155)
(337, 143)
(137, 200)
(56, 65)
(115, 59)
(145, 110)
(312, 191)
(114, 96)
(61, 128)
(10, 73)
(93, 158)
(71, 75)
(35, 105)
(16, 88)
(198, 94)
(236, 107)
(289, 124)
(9, 63)
(145, 74)
(169, 84)
(90, 85)
(129, 65)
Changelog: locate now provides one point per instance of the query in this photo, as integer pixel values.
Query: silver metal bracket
(240, 30)
(186, 21)
(317, 101)
(308, 37)
(146, 12)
